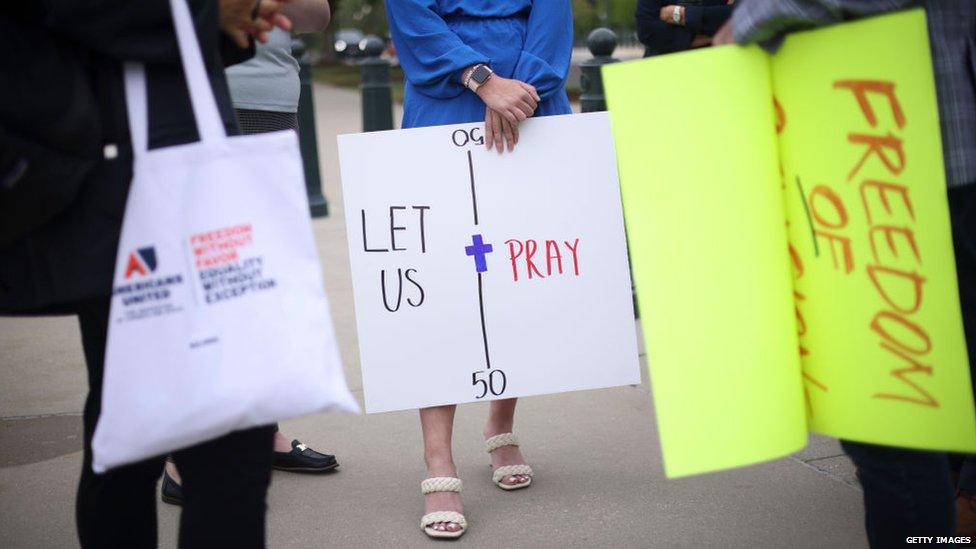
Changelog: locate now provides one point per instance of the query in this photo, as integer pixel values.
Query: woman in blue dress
(497, 61)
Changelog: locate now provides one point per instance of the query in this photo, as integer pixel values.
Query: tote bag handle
(210, 125)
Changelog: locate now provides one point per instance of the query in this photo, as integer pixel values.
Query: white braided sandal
(442, 484)
(496, 442)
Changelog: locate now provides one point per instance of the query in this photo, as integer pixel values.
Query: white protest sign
(480, 276)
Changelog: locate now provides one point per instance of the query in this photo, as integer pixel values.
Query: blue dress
(528, 40)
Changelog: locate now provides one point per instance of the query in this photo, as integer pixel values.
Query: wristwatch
(477, 76)
(676, 14)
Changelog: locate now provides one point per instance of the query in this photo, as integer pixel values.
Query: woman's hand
(243, 18)
(513, 100)
(497, 129)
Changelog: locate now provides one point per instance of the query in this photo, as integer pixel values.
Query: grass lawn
(346, 76)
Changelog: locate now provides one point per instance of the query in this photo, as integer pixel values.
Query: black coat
(659, 37)
(71, 257)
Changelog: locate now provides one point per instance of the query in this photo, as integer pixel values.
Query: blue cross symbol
(478, 249)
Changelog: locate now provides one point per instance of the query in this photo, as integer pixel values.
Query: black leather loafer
(171, 492)
(303, 459)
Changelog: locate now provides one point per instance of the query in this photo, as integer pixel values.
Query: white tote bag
(219, 318)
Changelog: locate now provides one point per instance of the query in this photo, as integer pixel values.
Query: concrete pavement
(599, 476)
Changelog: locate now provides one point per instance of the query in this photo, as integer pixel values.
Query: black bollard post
(601, 43)
(307, 140)
(376, 94)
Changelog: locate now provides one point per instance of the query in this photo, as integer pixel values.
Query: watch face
(480, 74)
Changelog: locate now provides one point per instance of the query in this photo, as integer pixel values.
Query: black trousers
(225, 481)
(963, 207)
(908, 492)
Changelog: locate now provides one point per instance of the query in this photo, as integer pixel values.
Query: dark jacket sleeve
(124, 29)
(232, 54)
(72, 256)
(143, 31)
(656, 35)
(120, 29)
(762, 20)
(706, 19)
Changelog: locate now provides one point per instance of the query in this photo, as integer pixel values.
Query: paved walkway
(600, 481)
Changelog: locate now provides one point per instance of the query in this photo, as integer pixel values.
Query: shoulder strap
(136, 106)
(210, 126)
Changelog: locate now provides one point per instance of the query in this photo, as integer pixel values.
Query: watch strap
(469, 80)
(467, 76)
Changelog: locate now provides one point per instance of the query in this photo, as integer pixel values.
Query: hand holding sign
(498, 130)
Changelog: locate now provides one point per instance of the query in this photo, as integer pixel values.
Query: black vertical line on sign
(474, 197)
(484, 330)
(806, 208)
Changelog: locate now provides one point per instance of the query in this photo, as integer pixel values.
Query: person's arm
(763, 20)
(656, 35)
(432, 56)
(308, 15)
(143, 30)
(232, 54)
(548, 49)
(137, 31)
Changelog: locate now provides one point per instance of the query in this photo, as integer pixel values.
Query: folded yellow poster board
(791, 247)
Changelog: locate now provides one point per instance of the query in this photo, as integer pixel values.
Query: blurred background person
(668, 27)
(264, 90)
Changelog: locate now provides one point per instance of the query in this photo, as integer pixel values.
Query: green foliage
(586, 17)
(590, 14)
(622, 13)
(368, 16)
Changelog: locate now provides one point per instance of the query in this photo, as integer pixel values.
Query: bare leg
(501, 419)
(281, 442)
(438, 428)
